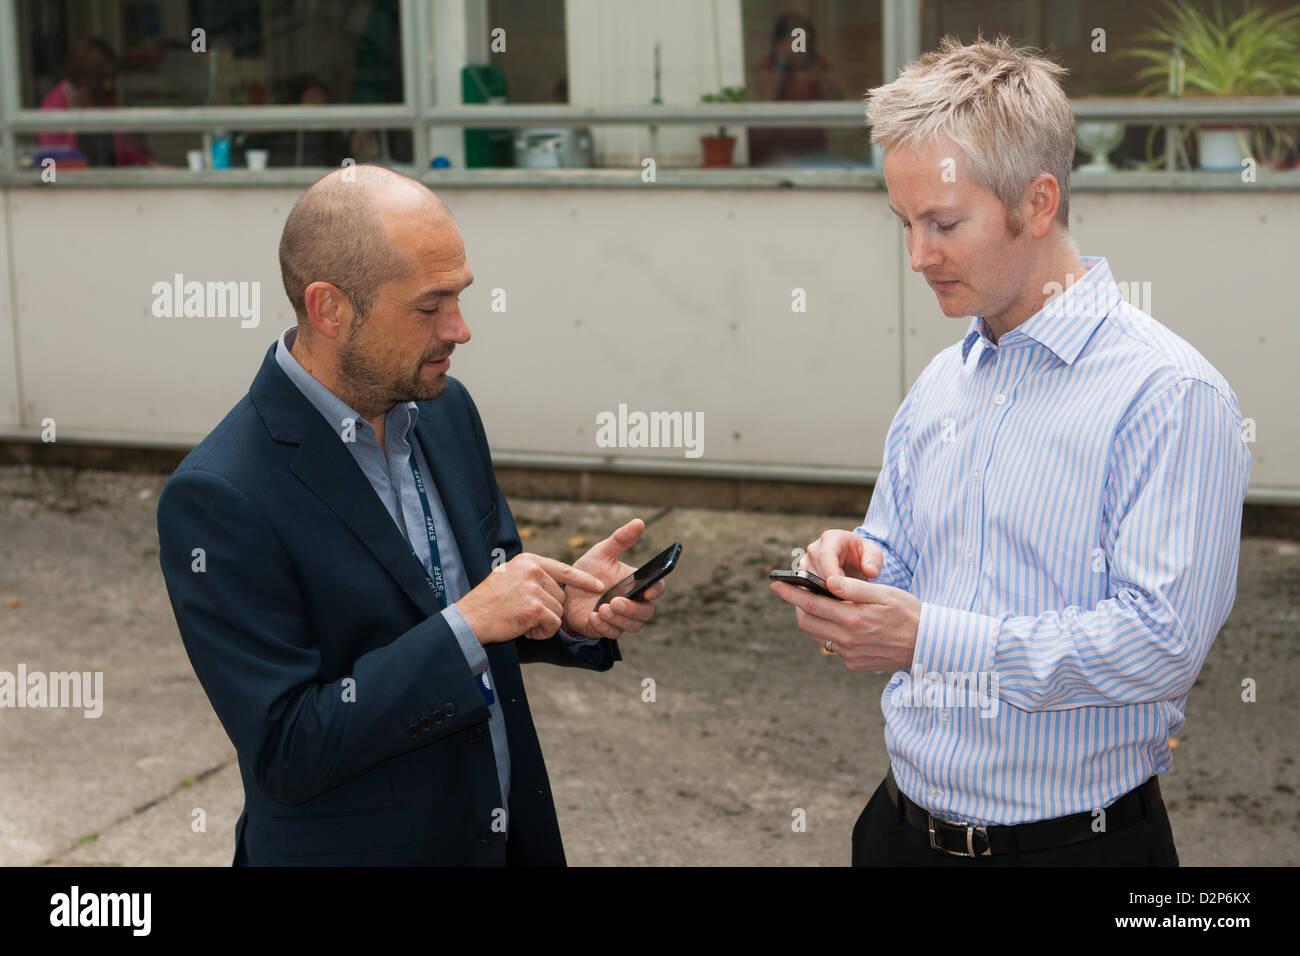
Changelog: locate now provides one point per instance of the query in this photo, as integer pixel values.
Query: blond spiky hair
(1003, 105)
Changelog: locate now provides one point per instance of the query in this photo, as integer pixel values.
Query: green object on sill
(486, 147)
(729, 94)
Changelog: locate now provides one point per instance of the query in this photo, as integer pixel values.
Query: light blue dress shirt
(1066, 503)
(393, 482)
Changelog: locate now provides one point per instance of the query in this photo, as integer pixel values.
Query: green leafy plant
(1249, 52)
(1256, 53)
(728, 94)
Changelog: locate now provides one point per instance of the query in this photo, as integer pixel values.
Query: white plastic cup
(256, 158)
(195, 158)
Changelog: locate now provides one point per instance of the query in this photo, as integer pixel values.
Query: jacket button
(437, 717)
(412, 730)
(425, 725)
(449, 710)
(486, 836)
(476, 737)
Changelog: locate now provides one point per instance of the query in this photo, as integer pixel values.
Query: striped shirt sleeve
(1170, 550)
(888, 522)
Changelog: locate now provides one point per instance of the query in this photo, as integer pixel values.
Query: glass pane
(71, 152)
(530, 53)
(94, 53)
(818, 50)
(252, 150)
(1098, 64)
(147, 53)
(1066, 28)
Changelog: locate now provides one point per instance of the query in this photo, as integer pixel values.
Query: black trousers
(881, 837)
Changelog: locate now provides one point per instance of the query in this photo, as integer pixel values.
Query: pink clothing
(126, 151)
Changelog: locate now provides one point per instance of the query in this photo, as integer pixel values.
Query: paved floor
(749, 724)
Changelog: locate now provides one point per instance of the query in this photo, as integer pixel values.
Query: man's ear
(1042, 199)
(328, 308)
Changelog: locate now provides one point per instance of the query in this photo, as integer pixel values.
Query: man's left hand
(581, 616)
(872, 629)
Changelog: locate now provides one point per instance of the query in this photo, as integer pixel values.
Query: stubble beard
(372, 389)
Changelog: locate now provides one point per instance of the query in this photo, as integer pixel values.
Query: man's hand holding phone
(871, 627)
(583, 612)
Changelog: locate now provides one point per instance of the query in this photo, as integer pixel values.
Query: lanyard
(434, 577)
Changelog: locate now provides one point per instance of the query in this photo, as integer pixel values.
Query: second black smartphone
(640, 580)
(807, 580)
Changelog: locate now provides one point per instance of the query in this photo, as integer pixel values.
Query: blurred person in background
(793, 71)
(90, 82)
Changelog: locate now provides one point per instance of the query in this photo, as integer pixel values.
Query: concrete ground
(750, 721)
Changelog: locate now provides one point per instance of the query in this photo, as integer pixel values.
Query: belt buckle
(970, 839)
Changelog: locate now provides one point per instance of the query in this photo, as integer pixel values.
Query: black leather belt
(963, 839)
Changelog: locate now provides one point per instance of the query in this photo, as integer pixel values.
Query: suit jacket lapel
(435, 434)
(325, 466)
(445, 460)
(329, 471)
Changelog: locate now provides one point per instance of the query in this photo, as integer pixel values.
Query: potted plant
(1252, 53)
(718, 150)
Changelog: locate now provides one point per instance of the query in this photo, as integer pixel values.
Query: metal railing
(823, 113)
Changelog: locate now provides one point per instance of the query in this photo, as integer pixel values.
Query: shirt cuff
(894, 572)
(952, 641)
(475, 656)
(588, 650)
(577, 640)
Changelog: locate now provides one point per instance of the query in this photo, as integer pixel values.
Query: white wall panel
(660, 299)
(682, 301)
(94, 357)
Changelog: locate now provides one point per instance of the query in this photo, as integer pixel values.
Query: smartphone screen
(640, 580)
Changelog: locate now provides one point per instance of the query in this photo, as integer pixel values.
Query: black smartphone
(803, 579)
(640, 580)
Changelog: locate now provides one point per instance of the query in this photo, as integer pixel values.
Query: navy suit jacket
(361, 733)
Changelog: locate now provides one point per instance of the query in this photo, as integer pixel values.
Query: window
(106, 53)
(819, 50)
(1098, 64)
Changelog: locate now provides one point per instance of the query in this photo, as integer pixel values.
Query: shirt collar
(1067, 321)
(397, 422)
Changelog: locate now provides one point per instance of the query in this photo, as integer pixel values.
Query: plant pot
(718, 150)
(1222, 147)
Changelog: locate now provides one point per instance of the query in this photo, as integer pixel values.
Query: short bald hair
(335, 234)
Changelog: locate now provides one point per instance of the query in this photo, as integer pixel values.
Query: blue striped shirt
(1066, 504)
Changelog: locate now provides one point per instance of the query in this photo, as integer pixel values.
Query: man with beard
(346, 573)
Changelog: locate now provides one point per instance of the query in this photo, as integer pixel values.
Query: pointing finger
(567, 574)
